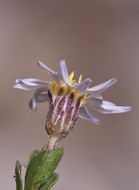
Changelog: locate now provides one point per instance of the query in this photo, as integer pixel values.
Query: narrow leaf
(18, 177)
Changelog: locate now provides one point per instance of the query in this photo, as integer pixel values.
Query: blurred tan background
(97, 38)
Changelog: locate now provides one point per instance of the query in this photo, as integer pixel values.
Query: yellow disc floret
(63, 89)
(55, 87)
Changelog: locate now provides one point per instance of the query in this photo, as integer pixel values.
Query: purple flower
(68, 99)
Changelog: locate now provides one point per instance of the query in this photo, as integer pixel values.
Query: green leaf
(32, 169)
(48, 165)
(33, 154)
(41, 167)
(18, 177)
(49, 182)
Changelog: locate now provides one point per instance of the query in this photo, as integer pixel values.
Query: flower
(68, 99)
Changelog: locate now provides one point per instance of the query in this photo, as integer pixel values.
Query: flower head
(68, 99)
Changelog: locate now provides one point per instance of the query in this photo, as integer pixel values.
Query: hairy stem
(52, 143)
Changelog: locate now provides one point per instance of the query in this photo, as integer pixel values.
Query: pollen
(80, 79)
(71, 76)
(55, 87)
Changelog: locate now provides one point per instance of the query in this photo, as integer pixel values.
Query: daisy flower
(68, 100)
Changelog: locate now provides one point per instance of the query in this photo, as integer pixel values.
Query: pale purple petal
(108, 103)
(38, 97)
(29, 84)
(84, 114)
(33, 104)
(20, 85)
(97, 90)
(64, 72)
(52, 73)
(95, 101)
(110, 108)
(82, 86)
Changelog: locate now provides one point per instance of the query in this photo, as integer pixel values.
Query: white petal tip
(114, 80)
(97, 122)
(63, 61)
(40, 64)
(14, 85)
(19, 85)
(32, 105)
(127, 109)
(118, 110)
(34, 109)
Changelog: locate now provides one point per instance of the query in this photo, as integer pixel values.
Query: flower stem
(52, 143)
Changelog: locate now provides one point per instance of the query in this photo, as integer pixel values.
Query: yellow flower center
(64, 90)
